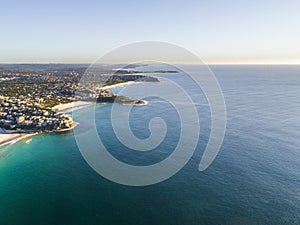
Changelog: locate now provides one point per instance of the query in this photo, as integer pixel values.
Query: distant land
(59, 66)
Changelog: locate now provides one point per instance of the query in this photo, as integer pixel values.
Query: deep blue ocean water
(255, 178)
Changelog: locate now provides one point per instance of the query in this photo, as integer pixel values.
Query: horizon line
(191, 63)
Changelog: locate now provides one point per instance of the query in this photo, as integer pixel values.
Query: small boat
(28, 141)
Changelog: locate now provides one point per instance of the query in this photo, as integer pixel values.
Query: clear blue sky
(233, 31)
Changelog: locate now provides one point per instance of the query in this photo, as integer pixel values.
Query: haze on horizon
(219, 32)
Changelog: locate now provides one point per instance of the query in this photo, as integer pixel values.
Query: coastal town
(29, 96)
(23, 115)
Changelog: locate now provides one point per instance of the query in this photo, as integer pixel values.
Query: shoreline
(144, 102)
(117, 85)
(72, 105)
(66, 107)
(11, 138)
(7, 137)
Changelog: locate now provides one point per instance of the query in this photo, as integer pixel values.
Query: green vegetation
(115, 82)
(53, 102)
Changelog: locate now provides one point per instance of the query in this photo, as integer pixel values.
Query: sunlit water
(255, 178)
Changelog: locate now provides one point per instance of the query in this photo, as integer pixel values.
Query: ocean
(255, 178)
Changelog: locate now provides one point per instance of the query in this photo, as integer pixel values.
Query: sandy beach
(71, 105)
(6, 139)
(117, 85)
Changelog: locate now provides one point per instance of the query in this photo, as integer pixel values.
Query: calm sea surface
(255, 178)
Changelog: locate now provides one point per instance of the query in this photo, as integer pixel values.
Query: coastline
(144, 102)
(117, 85)
(11, 138)
(7, 137)
(80, 104)
(72, 105)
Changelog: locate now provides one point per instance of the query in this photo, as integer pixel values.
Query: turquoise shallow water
(255, 179)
